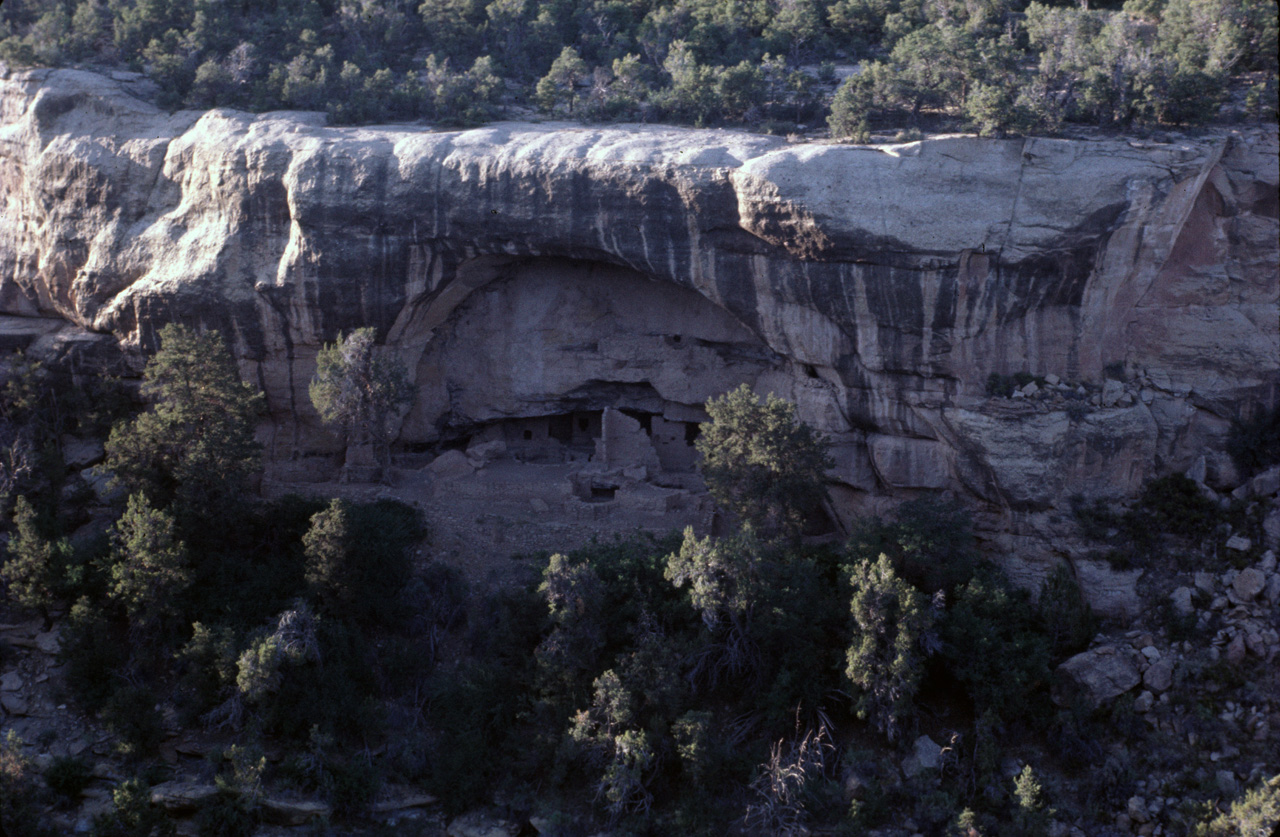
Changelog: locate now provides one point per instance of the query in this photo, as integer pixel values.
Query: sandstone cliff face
(526, 270)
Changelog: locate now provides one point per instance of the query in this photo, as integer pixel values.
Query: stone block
(1111, 392)
(925, 755)
(1097, 676)
(450, 465)
(1159, 677)
(1248, 583)
(1266, 484)
(1180, 599)
(908, 463)
(1111, 593)
(1239, 543)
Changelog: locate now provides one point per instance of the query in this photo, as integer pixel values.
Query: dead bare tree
(778, 807)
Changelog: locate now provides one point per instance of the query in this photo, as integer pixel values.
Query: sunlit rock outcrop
(529, 270)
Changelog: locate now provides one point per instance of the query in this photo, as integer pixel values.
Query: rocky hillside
(1014, 320)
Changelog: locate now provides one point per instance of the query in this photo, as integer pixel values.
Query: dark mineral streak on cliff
(526, 269)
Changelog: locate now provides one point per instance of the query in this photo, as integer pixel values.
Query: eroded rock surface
(538, 270)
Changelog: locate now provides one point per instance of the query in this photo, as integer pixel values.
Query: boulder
(14, 703)
(1272, 593)
(182, 797)
(1248, 583)
(50, 642)
(1239, 543)
(79, 454)
(531, 270)
(925, 755)
(450, 465)
(1267, 483)
(1159, 677)
(1096, 676)
(482, 824)
(290, 812)
(102, 483)
(1271, 528)
(1198, 470)
(482, 454)
(1110, 593)
(1180, 600)
(1111, 392)
(401, 799)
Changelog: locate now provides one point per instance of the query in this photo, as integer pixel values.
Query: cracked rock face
(527, 270)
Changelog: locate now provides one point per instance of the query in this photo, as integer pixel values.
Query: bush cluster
(644, 676)
(1173, 518)
(994, 65)
(285, 618)
(636, 679)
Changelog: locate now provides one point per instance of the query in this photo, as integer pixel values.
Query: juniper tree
(886, 660)
(360, 389)
(149, 564)
(195, 445)
(761, 463)
(35, 568)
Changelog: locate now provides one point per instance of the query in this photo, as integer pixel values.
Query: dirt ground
(486, 523)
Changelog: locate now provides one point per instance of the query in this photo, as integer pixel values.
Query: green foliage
(976, 64)
(229, 814)
(68, 776)
(133, 814)
(94, 649)
(724, 587)
(574, 595)
(148, 571)
(1254, 443)
(293, 640)
(930, 542)
(246, 574)
(1063, 614)
(1031, 816)
(19, 795)
(1254, 814)
(1172, 515)
(357, 559)
(467, 97)
(37, 567)
(723, 574)
(470, 711)
(893, 625)
(1175, 504)
(993, 645)
(608, 733)
(195, 446)
(360, 389)
(559, 85)
(130, 713)
(692, 733)
(350, 785)
(209, 667)
(850, 109)
(761, 464)
(39, 407)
